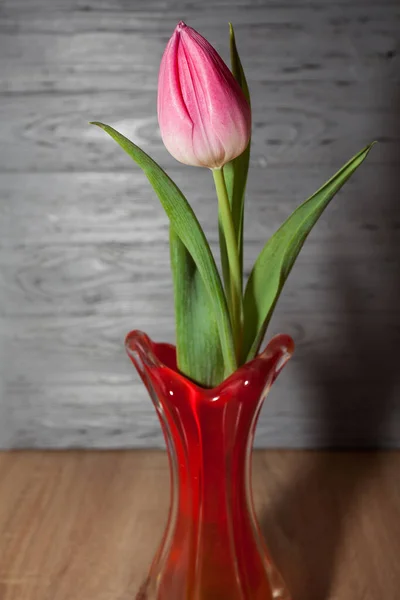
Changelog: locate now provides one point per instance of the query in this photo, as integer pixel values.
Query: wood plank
(83, 209)
(58, 136)
(162, 7)
(87, 523)
(272, 29)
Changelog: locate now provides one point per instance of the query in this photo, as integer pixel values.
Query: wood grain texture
(86, 524)
(83, 240)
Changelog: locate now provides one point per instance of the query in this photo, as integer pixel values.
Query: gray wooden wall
(84, 255)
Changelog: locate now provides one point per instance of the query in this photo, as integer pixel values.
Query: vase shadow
(355, 376)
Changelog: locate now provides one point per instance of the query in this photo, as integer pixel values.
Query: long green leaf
(187, 227)
(199, 349)
(279, 254)
(235, 172)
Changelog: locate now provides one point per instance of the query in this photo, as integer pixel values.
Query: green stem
(226, 221)
(224, 262)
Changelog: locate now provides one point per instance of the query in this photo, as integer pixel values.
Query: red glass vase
(212, 548)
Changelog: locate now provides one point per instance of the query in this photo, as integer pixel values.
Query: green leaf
(279, 254)
(235, 172)
(187, 227)
(199, 349)
(236, 64)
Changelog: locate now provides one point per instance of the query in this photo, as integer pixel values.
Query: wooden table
(83, 525)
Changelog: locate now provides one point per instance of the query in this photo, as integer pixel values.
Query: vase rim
(142, 349)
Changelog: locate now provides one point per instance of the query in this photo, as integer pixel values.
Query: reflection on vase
(212, 548)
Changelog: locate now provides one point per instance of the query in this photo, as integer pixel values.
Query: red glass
(212, 548)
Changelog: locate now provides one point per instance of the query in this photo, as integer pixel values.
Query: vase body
(212, 547)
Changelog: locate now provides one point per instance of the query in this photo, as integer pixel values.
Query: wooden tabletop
(83, 525)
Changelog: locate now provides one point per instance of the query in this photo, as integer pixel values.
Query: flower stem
(235, 302)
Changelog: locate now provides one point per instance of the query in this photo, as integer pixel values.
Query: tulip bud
(204, 117)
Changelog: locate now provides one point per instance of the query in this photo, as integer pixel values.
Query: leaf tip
(232, 38)
(368, 148)
(97, 123)
(365, 151)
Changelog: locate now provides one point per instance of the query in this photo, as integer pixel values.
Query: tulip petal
(203, 114)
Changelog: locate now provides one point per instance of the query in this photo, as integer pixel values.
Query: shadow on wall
(369, 352)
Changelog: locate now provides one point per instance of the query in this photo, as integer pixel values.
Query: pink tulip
(204, 117)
